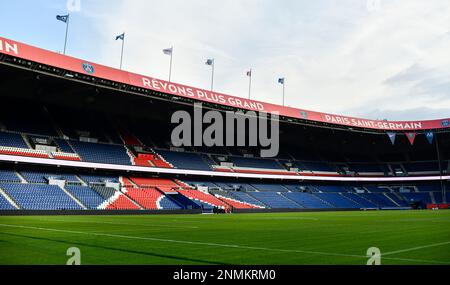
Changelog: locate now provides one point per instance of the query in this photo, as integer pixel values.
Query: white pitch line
(214, 244)
(415, 248)
(121, 224)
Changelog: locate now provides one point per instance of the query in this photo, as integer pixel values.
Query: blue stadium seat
(255, 163)
(5, 205)
(269, 187)
(8, 176)
(101, 153)
(167, 204)
(338, 200)
(12, 140)
(308, 200)
(87, 196)
(40, 197)
(43, 177)
(275, 200)
(245, 197)
(96, 179)
(185, 160)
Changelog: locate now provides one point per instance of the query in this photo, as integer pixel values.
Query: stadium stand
(116, 128)
(101, 153)
(39, 197)
(308, 200)
(275, 200)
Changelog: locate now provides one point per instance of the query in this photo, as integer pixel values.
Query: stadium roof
(121, 79)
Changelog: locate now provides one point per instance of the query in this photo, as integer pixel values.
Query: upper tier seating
(96, 179)
(5, 205)
(421, 167)
(101, 153)
(269, 187)
(255, 163)
(338, 200)
(40, 197)
(308, 200)
(64, 146)
(9, 176)
(331, 188)
(42, 177)
(275, 200)
(366, 168)
(235, 186)
(185, 160)
(12, 140)
(315, 167)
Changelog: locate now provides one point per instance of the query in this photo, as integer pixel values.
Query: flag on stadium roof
(392, 137)
(121, 37)
(209, 61)
(430, 137)
(62, 18)
(411, 137)
(281, 80)
(249, 73)
(168, 51)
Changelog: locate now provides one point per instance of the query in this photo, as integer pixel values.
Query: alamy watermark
(242, 129)
(75, 256)
(374, 255)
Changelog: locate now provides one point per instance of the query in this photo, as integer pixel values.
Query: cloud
(336, 56)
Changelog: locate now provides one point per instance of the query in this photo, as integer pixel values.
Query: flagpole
(284, 82)
(67, 31)
(444, 198)
(250, 84)
(170, 68)
(212, 76)
(121, 53)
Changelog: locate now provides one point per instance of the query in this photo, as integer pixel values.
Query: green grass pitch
(403, 237)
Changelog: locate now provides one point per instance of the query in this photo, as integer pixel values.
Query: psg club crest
(88, 68)
(445, 123)
(304, 114)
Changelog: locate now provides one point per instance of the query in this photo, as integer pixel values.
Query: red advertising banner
(35, 54)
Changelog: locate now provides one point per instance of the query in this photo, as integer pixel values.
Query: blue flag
(209, 61)
(392, 137)
(281, 80)
(62, 18)
(121, 37)
(430, 137)
(168, 51)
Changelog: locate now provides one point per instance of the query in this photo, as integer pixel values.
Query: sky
(377, 59)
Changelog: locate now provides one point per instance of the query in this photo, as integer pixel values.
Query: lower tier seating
(275, 200)
(40, 197)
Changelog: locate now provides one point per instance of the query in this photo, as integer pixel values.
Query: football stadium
(103, 166)
(87, 162)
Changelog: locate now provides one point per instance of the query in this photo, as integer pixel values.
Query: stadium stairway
(236, 203)
(6, 202)
(200, 196)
